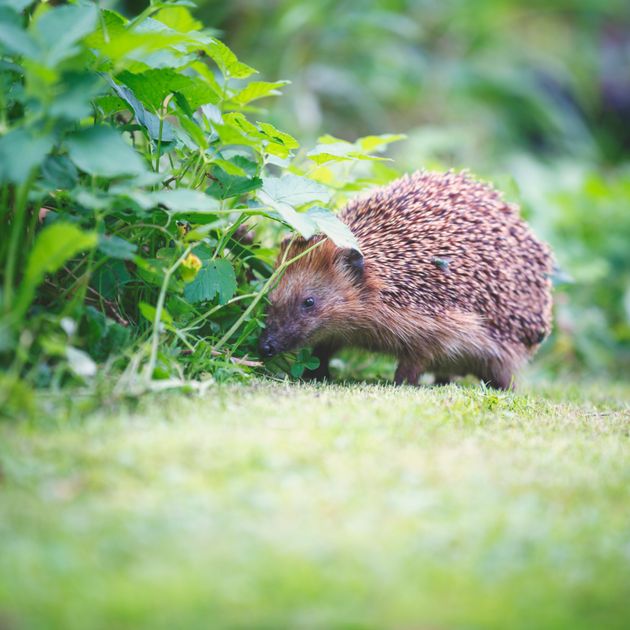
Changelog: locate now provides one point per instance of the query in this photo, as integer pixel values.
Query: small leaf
(224, 185)
(258, 89)
(148, 312)
(116, 247)
(297, 369)
(227, 61)
(216, 278)
(101, 151)
(371, 143)
(312, 363)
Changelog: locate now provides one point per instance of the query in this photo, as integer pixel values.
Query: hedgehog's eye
(309, 302)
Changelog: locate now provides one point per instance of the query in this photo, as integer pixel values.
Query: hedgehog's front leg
(408, 371)
(323, 352)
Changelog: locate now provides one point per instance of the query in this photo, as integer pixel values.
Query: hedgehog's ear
(354, 262)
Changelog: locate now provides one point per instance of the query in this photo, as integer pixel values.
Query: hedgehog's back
(444, 241)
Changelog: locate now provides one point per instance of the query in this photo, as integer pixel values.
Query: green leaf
(225, 185)
(101, 151)
(148, 120)
(297, 369)
(179, 19)
(15, 39)
(284, 193)
(184, 200)
(337, 231)
(258, 89)
(216, 278)
(299, 222)
(148, 312)
(148, 45)
(59, 29)
(295, 190)
(103, 335)
(20, 153)
(75, 96)
(371, 143)
(116, 247)
(153, 86)
(53, 246)
(58, 172)
(227, 61)
(16, 5)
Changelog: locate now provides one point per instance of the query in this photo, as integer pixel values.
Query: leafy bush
(140, 189)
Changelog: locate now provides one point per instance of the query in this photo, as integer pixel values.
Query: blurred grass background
(534, 96)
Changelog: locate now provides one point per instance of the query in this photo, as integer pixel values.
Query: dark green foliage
(136, 193)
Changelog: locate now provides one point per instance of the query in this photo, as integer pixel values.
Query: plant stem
(159, 307)
(272, 278)
(13, 254)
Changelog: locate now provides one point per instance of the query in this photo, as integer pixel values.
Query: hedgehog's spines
(452, 275)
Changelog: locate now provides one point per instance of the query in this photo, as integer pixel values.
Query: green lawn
(287, 506)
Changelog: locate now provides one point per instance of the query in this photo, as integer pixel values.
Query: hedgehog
(447, 278)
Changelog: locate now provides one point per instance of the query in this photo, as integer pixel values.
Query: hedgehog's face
(313, 299)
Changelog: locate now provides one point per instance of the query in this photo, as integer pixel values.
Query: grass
(288, 506)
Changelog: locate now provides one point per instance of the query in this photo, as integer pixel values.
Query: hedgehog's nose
(267, 349)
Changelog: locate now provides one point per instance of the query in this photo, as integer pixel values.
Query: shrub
(141, 185)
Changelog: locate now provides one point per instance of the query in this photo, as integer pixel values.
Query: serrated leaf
(101, 151)
(240, 122)
(257, 90)
(278, 142)
(337, 231)
(224, 185)
(295, 190)
(215, 278)
(116, 247)
(153, 86)
(227, 61)
(111, 104)
(184, 200)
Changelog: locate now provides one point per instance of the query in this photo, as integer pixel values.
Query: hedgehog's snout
(267, 345)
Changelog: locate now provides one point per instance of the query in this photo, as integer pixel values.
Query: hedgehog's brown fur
(451, 281)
